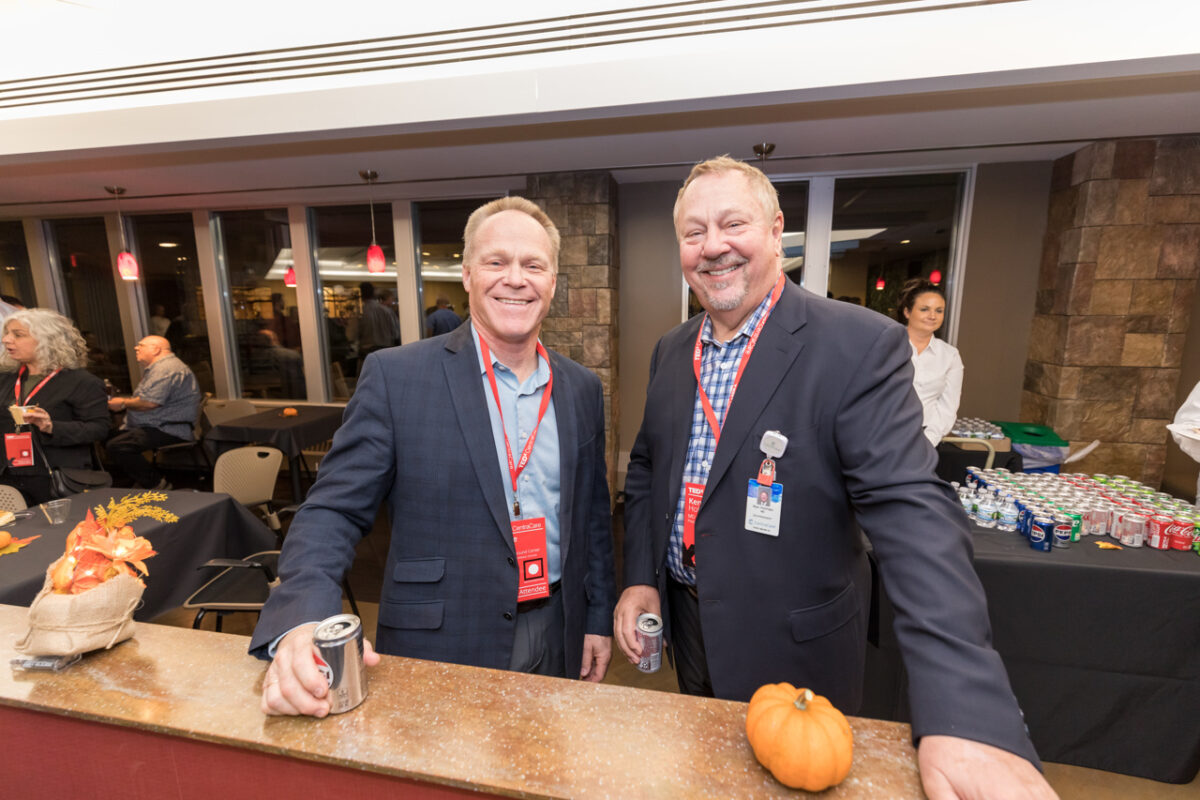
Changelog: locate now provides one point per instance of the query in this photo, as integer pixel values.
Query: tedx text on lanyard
(18, 447)
(694, 492)
(529, 535)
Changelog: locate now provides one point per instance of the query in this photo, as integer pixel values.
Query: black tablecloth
(311, 425)
(1102, 648)
(954, 460)
(209, 526)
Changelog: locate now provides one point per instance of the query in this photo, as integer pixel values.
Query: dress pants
(125, 450)
(538, 643)
(687, 640)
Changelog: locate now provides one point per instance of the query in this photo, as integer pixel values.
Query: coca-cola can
(650, 637)
(1183, 534)
(1158, 532)
(339, 657)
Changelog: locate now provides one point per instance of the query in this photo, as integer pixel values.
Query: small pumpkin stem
(803, 699)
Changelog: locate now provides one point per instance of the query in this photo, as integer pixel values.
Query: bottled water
(966, 498)
(1007, 514)
(986, 511)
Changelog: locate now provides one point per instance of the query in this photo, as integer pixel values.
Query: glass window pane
(793, 202)
(256, 252)
(887, 229)
(81, 246)
(439, 225)
(341, 235)
(166, 244)
(16, 280)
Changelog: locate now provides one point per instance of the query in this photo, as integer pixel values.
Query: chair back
(11, 499)
(218, 411)
(248, 474)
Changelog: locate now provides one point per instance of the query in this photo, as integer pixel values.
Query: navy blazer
(836, 379)
(417, 434)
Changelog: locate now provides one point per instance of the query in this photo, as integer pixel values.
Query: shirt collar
(540, 378)
(747, 329)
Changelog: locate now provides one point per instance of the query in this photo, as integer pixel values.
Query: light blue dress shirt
(538, 487)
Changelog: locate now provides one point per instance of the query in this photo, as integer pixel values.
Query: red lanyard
(17, 386)
(515, 469)
(709, 414)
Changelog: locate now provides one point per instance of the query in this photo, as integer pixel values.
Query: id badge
(18, 449)
(533, 578)
(763, 505)
(693, 494)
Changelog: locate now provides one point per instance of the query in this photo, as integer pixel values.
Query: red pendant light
(879, 284)
(935, 277)
(375, 260)
(127, 266)
(289, 277)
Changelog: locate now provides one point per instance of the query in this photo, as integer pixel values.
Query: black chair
(171, 456)
(242, 585)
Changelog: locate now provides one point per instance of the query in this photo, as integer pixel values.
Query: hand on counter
(597, 652)
(963, 769)
(635, 600)
(293, 684)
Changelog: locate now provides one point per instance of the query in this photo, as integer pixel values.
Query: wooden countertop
(510, 734)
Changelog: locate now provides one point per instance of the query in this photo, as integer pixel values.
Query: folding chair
(11, 499)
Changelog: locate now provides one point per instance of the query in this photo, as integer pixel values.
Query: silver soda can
(650, 637)
(339, 657)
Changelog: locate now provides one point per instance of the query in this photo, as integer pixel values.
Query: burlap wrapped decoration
(66, 624)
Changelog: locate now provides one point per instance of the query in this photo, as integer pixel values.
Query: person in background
(497, 560)
(938, 368)
(161, 411)
(42, 365)
(443, 319)
(378, 327)
(1188, 417)
(159, 321)
(776, 387)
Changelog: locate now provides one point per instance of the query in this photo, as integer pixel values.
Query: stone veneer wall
(1119, 269)
(582, 323)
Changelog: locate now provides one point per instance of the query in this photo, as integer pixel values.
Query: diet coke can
(650, 637)
(1158, 532)
(339, 657)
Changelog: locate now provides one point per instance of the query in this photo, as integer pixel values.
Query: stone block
(1156, 462)
(1081, 168)
(1180, 255)
(1109, 383)
(1148, 431)
(1181, 307)
(1078, 295)
(1143, 350)
(1173, 351)
(583, 304)
(595, 276)
(599, 249)
(1047, 335)
(1147, 323)
(1034, 408)
(1097, 203)
(1094, 341)
(1061, 213)
(1060, 173)
(1041, 378)
(573, 251)
(1110, 297)
(1107, 420)
(1132, 200)
(606, 300)
(1129, 251)
(597, 346)
(1044, 301)
(1156, 393)
(1048, 268)
(1176, 166)
(559, 306)
(1114, 458)
(1069, 381)
(1173, 208)
(1133, 158)
(1151, 297)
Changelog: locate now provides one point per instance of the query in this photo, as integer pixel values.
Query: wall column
(1120, 261)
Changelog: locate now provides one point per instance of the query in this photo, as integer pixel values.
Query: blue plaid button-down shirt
(718, 367)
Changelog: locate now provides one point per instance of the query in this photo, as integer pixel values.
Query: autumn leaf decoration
(104, 546)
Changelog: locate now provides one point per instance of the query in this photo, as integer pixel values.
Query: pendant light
(127, 265)
(375, 260)
(879, 284)
(935, 277)
(289, 278)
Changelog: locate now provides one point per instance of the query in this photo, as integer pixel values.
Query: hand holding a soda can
(635, 601)
(294, 683)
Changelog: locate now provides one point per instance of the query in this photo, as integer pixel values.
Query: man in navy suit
(774, 423)
(489, 451)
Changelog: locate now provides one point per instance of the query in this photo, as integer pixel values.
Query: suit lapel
(778, 347)
(470, 406)
(568, 436)
(677, 367)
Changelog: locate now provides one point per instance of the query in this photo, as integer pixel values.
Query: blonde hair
(760, 184)
(510, 203)
(59, 343)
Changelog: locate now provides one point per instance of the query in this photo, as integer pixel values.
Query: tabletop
(209, 526)
(291, 434)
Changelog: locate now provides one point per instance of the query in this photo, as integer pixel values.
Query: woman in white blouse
(939, 369)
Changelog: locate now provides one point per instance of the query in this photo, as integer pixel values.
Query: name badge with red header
(18, 449)
(533, 576)
(693, 494)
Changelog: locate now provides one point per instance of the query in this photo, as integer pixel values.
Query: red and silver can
(1183, 534)
(1158, 532)
(650, 637)
(339, 657)
(1133, 529)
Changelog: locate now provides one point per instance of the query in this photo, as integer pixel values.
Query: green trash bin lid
(1028, 433)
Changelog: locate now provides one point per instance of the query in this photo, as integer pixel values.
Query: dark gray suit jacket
(417, 434)
(836, 379)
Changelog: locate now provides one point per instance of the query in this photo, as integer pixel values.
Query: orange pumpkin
(290, 412)
(800, 737)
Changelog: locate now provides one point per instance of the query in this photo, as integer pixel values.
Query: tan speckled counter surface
(510, 734)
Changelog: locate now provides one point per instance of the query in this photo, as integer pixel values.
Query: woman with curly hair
(66, 407)
(938, 368)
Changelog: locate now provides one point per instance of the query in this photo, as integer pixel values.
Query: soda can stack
(1053, 511)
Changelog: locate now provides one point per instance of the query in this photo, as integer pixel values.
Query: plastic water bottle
(1007, 514)
(986, 511)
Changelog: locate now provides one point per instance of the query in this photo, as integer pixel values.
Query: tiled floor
(1072, 783)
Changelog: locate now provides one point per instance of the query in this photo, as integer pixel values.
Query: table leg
(294, 470)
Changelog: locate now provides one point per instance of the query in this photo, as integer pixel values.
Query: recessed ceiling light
(424, 253)
(168, 244)
(905, 241)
